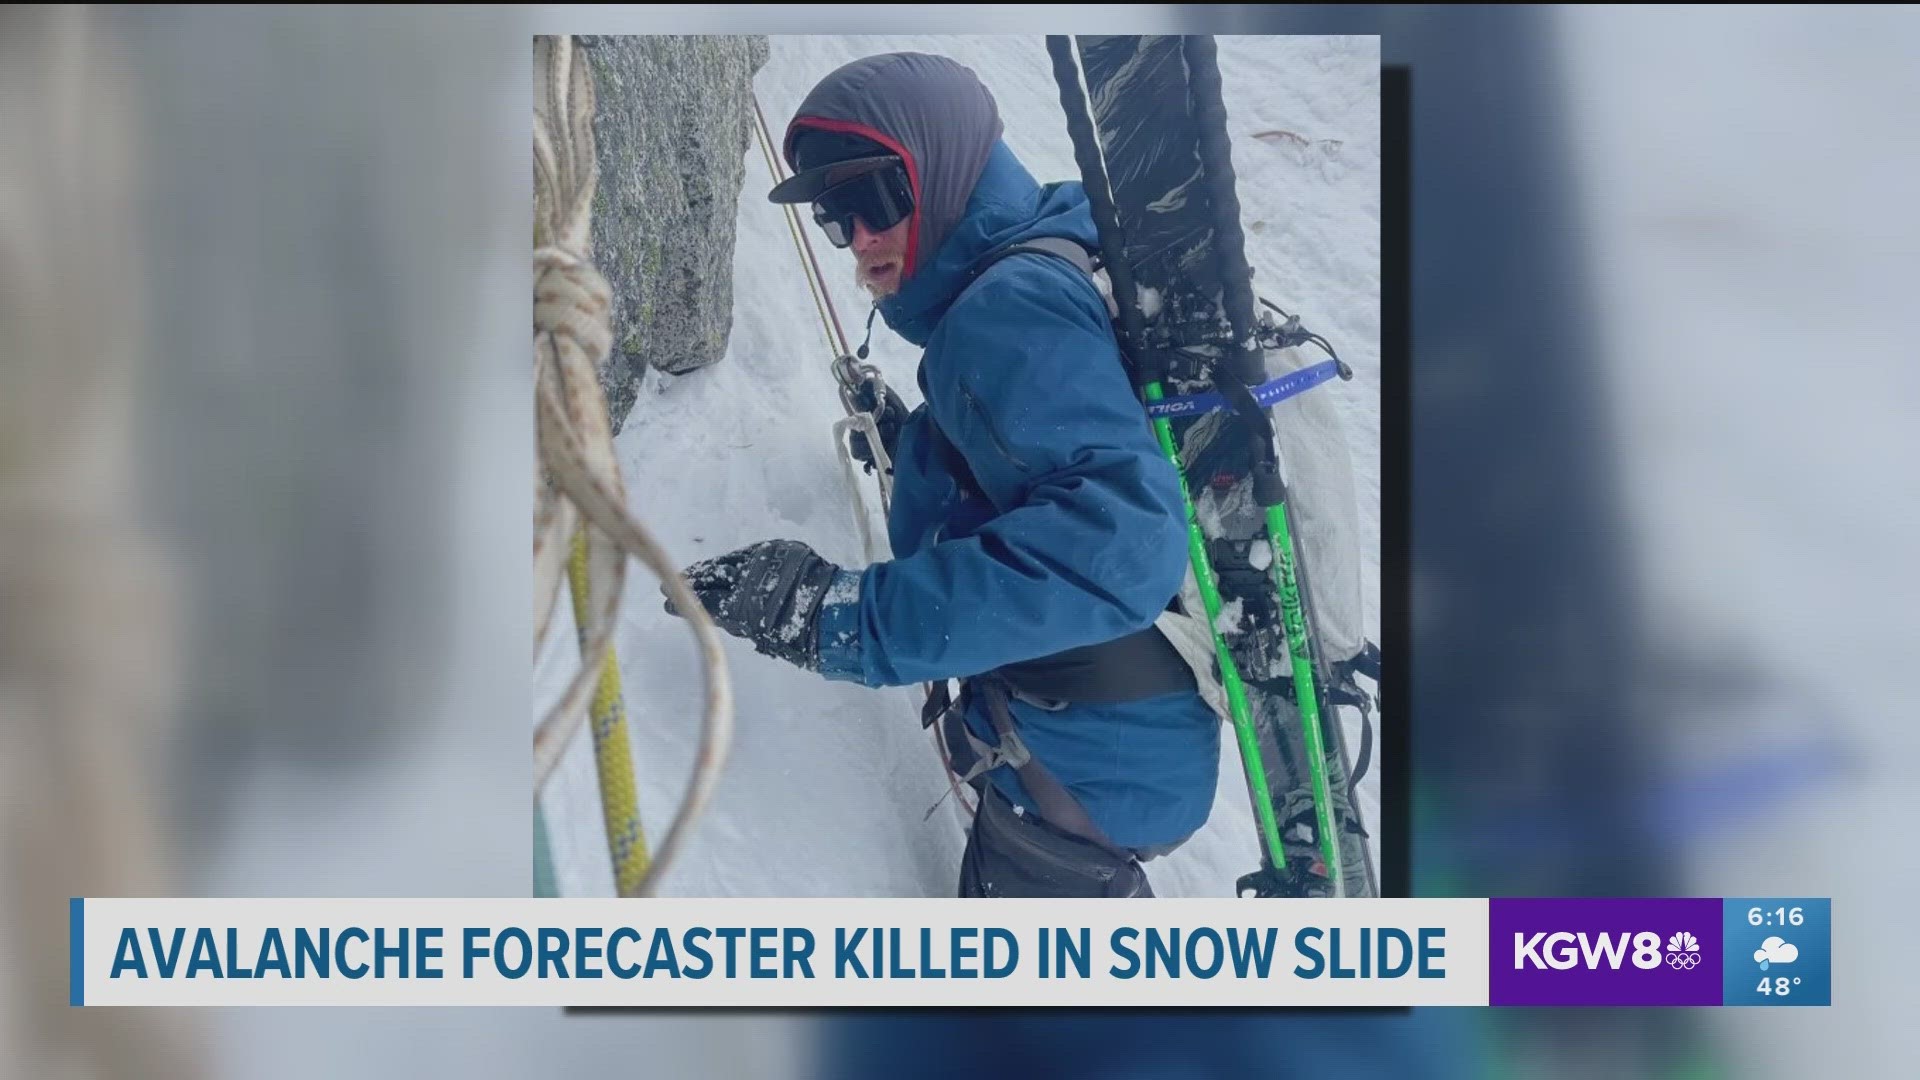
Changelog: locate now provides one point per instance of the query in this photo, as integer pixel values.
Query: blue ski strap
(1268, 394)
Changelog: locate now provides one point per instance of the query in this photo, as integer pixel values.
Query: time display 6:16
(1777, 917)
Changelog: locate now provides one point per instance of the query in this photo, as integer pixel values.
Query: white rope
(582, 477)
(883, 467)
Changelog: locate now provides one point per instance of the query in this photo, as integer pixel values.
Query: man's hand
(768, 593)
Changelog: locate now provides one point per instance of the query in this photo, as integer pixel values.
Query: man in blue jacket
(1038, 533)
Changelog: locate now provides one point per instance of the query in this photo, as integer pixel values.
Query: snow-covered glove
(768, 593)
(888, 415)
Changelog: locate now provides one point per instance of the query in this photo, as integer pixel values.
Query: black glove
(768, 593)
(887, 417)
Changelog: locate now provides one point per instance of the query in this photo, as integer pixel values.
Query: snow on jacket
(1072, 531)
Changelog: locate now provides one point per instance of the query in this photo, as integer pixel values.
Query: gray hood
(931, 111)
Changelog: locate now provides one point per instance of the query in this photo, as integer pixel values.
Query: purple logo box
(1605, 952)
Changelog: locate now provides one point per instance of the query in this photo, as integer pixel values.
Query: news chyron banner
(851, 953)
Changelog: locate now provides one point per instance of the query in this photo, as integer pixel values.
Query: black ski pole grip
(1247, 362)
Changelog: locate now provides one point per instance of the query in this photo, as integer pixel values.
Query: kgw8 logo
(1563, 951)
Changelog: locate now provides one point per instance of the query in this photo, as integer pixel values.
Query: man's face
(882, 256)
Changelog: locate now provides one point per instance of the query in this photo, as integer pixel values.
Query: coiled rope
(577, 484)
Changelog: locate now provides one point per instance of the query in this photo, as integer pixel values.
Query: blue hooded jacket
(1075, 534)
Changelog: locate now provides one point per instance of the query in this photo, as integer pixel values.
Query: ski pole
(1243, 726)
(1210, 117)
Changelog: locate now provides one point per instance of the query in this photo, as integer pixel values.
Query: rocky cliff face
(674, 118)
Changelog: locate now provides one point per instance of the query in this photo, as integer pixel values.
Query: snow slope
(828, 785)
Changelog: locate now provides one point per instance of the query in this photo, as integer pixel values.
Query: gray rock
(672, 127)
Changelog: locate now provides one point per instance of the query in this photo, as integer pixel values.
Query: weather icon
(1775, 950)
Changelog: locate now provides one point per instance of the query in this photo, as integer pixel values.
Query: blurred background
(264, 441)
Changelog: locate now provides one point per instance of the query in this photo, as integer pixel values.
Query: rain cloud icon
(1775, 950)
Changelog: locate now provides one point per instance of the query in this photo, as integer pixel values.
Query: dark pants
(1012, 854)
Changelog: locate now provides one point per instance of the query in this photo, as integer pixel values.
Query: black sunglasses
(882, 199)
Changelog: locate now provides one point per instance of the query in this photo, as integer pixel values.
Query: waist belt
(1143, 664)
(1139, 665)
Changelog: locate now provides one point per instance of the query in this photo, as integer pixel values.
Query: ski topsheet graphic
(1273, 515)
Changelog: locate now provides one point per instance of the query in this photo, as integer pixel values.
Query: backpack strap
(1084, 259)
(1058, 246)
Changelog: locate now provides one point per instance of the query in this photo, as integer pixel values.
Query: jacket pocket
(978, 410)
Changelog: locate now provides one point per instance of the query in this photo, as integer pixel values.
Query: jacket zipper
(973, 405)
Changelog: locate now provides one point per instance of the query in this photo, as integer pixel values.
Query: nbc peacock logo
(1683, 951)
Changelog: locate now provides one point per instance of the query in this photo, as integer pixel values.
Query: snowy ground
(828, 785)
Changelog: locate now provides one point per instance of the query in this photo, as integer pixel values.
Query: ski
(1149, 134)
